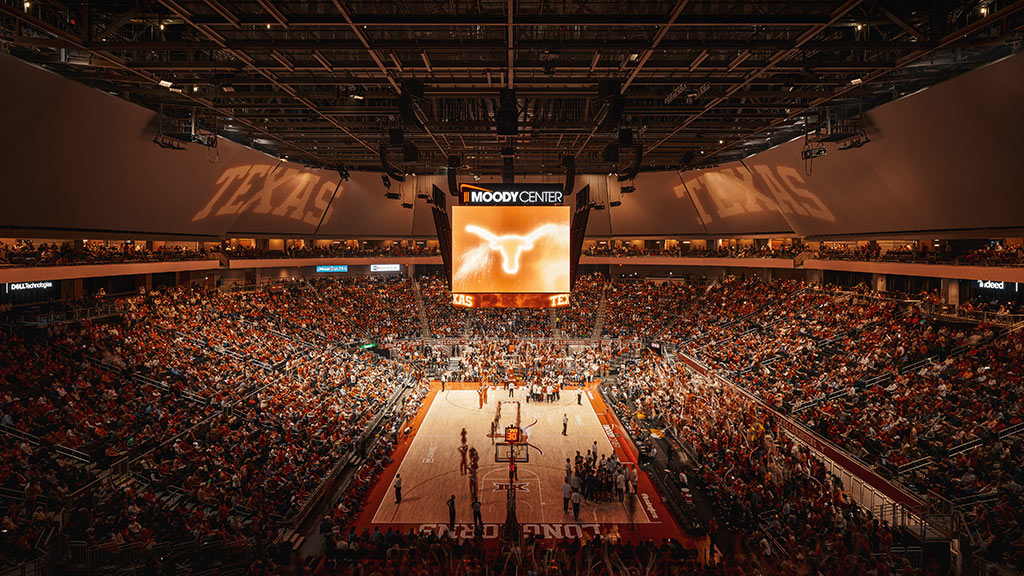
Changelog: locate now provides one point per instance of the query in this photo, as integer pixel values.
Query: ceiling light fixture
(166, 83)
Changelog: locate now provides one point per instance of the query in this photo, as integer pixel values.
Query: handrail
(914, 465)
(19, 434)
(317, 495)
(853, 466)
(72, 453)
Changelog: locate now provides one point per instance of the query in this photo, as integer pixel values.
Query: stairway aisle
(556, 332)
(421, 310)
(602, 308)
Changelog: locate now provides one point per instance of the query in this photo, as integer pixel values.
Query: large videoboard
(510, 249)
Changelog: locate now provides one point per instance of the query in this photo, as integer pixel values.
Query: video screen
(510, 249)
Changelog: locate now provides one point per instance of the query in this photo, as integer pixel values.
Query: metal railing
(19, 434)
(871, 493)
(110, 559)
(75, 313)
(371, 429)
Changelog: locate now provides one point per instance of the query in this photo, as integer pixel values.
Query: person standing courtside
(451, 513)
(398, 488)
(576, 499)
(478, 520)
(565, 425)
(566, 495)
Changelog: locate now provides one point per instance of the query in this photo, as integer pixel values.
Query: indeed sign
(991, 285)
(513, 195)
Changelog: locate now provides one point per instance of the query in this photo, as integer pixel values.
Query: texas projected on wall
(510, 249)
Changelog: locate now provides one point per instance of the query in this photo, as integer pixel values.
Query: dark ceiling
(696, 82)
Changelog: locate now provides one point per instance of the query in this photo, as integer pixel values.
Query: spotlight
(161, 24)
(195, 88)
(507, 113)
(855, 142)
(984, 9)
(166, 83)
(268, 26)
(813, 152)
(357, 93)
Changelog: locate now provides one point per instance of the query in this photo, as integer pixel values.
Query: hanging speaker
(611, 153)
(508, 113)
(453, 169)
(608, 87)
(410, 153)
(508, 122)
(614, 115)
(508, 170)
(625, 137)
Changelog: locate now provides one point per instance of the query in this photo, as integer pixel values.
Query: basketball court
(428, 460)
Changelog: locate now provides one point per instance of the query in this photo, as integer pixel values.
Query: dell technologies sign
(512, 194)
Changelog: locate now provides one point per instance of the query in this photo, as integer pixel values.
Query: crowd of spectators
(509, 322)
(336, 250)
(884, 380)
(23, 253)
(232, 407)
(989, 306)
(577, 321)
(684, 250)
(541, 362)
(790, 516)
(993, 255)
(996, 254)
(444, 319)
(383, 308)
(228, 414)
(643, 308)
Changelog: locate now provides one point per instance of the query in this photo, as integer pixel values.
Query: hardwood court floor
(430, 467)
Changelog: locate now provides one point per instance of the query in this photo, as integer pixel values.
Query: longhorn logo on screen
(511, 246)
